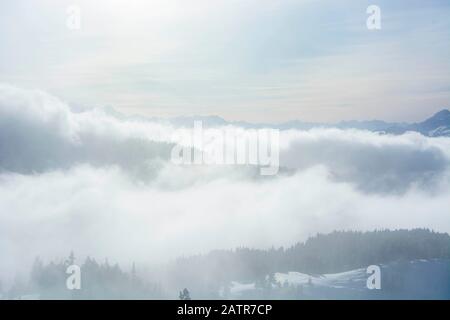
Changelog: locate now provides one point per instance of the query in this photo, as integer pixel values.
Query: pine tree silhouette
(184, 295)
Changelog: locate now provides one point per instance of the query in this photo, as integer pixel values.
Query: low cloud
(102, 212)
(38, 133)
(103, 185)
(372, 162)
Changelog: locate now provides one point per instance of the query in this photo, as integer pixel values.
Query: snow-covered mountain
(435, 126)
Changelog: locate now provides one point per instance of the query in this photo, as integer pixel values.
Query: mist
(102, 184)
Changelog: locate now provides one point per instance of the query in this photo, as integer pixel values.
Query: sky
(253, 60)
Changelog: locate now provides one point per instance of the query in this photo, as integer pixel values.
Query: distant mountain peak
(437, 125)
(442, 115)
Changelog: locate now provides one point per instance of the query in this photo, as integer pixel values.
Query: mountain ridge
(438, 125)
(435, 126)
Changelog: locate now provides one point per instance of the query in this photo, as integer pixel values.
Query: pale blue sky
(254, 60)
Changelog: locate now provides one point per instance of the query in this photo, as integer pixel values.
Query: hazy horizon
(258, 61)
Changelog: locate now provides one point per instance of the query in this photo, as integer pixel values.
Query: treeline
(341, 251)
(324, 253)
(211, 275)
(98, 281)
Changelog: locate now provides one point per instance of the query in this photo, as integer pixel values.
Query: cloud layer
(101, 184)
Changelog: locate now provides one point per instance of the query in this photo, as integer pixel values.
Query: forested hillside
(324, 253)
(208, 275)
